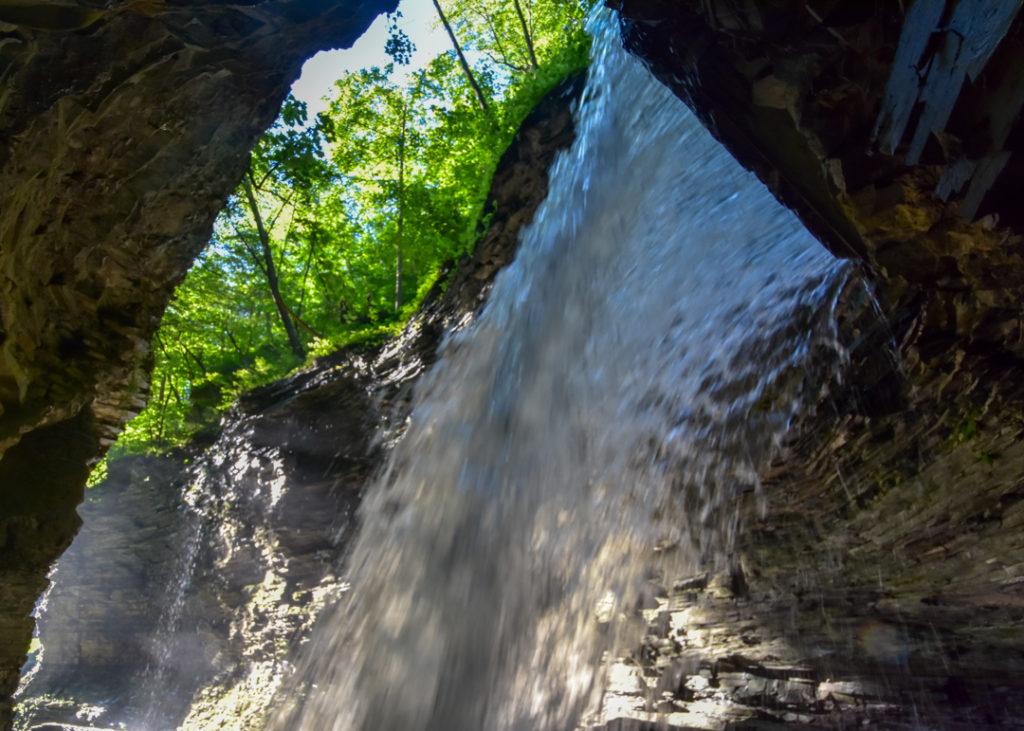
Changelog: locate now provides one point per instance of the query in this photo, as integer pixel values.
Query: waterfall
(158, 696)
(633, 370)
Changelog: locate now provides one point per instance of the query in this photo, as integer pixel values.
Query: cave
(889, 129)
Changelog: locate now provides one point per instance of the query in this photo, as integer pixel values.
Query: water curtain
(596, 428)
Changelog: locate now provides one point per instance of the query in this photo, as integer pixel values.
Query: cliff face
(134, 531)
(196, 573)
(123, 129)
(891, 134)
(881, 582)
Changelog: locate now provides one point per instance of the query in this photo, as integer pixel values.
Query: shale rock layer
(877, 580)
(198, 572)
(123, 129)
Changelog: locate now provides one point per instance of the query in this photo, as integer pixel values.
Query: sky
(419, 21)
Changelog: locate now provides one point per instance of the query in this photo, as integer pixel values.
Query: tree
(285, 168)
(398, 46)
(462, 59)
(373, 136)
(264, 259)
(315, 250)
(520, 36)
(527, 36)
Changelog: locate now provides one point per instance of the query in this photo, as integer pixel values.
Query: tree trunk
(462, 60)
(505, 59)
(162, 400)
(271, 272)
(296, 319)
(401, 208)
(526, 33)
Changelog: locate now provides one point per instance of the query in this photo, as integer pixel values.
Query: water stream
(160, 694)
(634, 369)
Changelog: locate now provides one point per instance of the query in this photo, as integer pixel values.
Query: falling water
(633, 370)
(157, 697)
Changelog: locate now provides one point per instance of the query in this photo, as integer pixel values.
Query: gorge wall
(123, 129)
(243, 536)
(893, 517)
(889, 551)
(889, 128)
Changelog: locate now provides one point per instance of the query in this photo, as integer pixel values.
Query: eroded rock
(266, 511)
(123, 129)
(887, 547)
(890, 132)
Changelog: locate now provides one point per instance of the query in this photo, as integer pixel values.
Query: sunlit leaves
(362, 205)
(398, 46)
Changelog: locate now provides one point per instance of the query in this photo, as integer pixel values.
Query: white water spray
(633, 370)
(157, 698)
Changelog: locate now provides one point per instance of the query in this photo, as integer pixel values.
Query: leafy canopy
(343, 222)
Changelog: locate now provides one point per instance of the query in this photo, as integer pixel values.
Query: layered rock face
(123, 129)
(197, 573)
(135, 532)
(875, 581)
(891, 133)
(880, 585)
(878, 581)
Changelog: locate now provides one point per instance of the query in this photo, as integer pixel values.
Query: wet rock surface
(889, 128)
(880, 566)
(123, 129)
(878, 584)
(875, 581)
(259, 518)
(135, 525)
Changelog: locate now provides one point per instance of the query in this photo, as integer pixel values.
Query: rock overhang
(889, 128)
(124, 127)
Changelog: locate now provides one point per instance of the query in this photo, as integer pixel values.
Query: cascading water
(157, 697)
(633, 370)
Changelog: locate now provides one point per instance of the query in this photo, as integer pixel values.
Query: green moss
(967, 429)
(98, 474)
(28, 711)
(986, 457)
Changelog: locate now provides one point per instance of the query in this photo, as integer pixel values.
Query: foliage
(398, 46)
(340, 218)
(27, 709)
(98, 474)
(520, 35)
